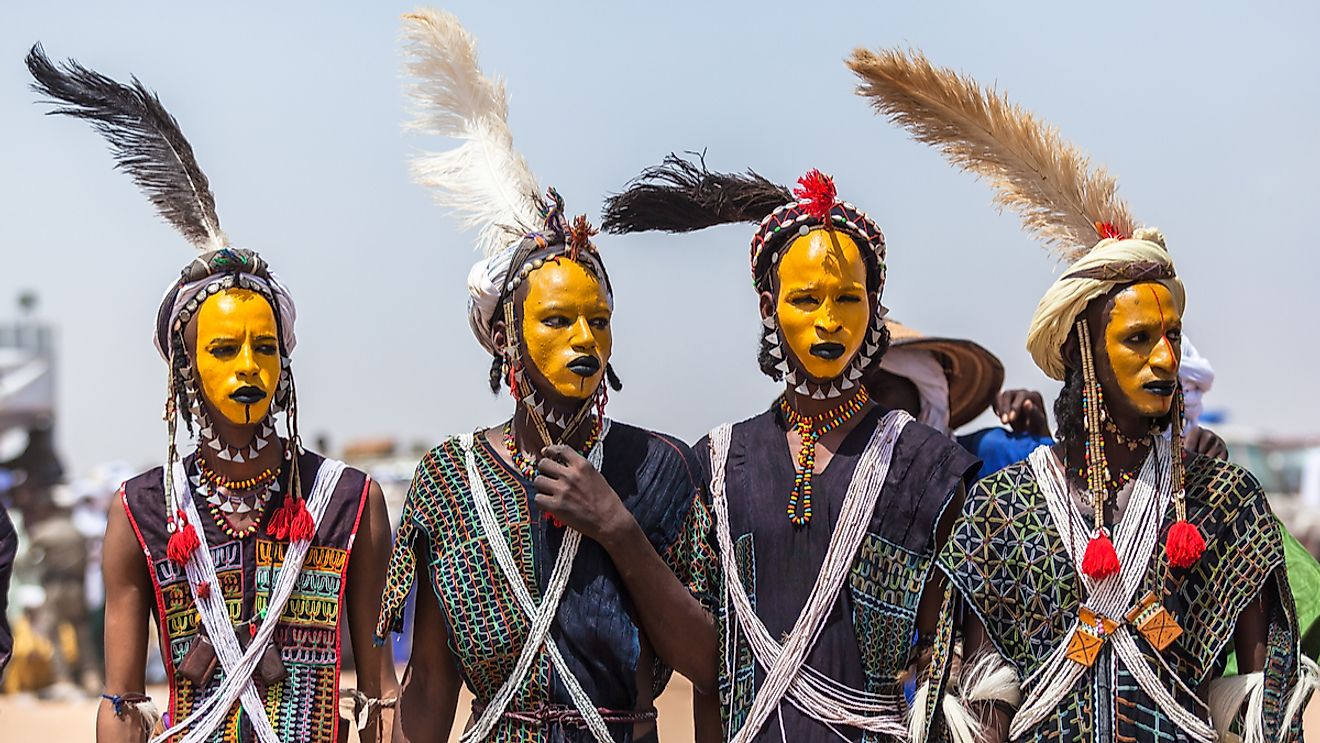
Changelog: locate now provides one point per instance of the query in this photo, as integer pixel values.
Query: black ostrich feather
(682, 195)
(146, 141)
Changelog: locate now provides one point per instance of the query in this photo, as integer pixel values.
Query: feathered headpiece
(683, 196)
(485, 180)
(1070, 205)
(149, 145)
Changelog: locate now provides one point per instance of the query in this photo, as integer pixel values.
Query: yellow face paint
(822, 307)
(566, 327)
(238, 354)
(1143, 341)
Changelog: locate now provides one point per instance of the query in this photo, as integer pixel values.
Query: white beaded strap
(238, 664)
(543, 615)
(1134, 541)
(787, 674)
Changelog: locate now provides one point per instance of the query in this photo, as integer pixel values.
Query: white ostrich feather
(485, 181)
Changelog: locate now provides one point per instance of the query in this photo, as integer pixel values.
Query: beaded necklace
(222, 501)
(526, 463)
(1131, 442)
(811, 428)
(211, 477)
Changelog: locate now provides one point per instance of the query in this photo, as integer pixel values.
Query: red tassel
(817, 189)
(1100, 560)
(280, 521)
(1184, 544)
(183, 543)
(301, 526)
(513, 383)
(203, 589)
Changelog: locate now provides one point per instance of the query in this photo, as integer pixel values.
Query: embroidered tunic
(1007, 561)
(658, 480)
(869, 634)
(304, 707)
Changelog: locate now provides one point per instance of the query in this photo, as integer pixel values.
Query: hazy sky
(1207, 112)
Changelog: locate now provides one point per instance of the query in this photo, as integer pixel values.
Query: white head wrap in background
(1197, 377)
(925, 372)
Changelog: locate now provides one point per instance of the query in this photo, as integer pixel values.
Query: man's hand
(1023, 411)
(574, 492)
(1205, 442)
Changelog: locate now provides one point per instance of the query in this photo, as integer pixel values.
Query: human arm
(680, 630)
(428, 697)
(128, 597)
(366, 582)
(706, 718)
(1251, 636)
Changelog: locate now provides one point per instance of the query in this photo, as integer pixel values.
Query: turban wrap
(1111, 263)
(227, 268)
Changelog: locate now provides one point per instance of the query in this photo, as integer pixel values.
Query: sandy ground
(24, 718)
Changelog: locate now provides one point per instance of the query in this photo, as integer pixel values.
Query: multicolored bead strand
(1100, 560)
(526, 463)
(810, 429)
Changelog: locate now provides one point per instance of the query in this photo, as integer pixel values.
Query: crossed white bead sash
(239, 665)
(1134, 541)
(787, 674)
(542, 616)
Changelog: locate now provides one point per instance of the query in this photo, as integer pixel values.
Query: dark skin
(130, 600)
(674, 626)
(1250, 635)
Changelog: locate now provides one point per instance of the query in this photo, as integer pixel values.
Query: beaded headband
(817, 207)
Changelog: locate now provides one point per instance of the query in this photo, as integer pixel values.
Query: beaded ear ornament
(1184, 543)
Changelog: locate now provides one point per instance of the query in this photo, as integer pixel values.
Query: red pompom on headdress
(817, 190)
(1100, 560)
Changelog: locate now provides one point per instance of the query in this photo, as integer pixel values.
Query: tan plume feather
(485, 180)
(1051, 184)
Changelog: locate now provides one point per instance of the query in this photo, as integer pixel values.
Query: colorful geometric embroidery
(1005, 559)
(487, 627)
(738, 689)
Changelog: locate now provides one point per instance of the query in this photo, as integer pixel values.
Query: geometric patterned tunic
(658, 480)
(1007, 562)
(868, 635)
(304, 707)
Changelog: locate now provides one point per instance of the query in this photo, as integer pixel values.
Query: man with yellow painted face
(829, 509)
(563, 558)
(1104, 579)
(239, 550)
